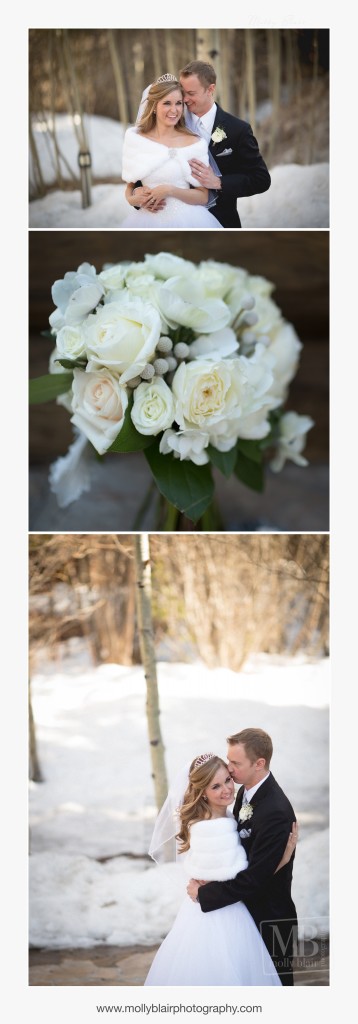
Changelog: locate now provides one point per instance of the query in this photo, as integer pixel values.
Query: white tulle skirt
(174, 215)
(222, 947)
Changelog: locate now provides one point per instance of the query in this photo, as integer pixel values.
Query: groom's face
(197, 98)
(241, 769)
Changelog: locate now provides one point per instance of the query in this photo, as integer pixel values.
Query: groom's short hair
(204, 72)
(257, 743)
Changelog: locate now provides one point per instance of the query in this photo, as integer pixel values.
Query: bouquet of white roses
(189, 363)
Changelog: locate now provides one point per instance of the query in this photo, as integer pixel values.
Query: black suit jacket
(266, 895)
(244, 172)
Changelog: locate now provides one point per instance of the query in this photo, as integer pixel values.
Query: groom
(264, 816)
(239, 167)
(242, 171)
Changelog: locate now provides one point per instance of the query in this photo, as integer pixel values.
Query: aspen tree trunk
(35, 770)
(53, 108)
(274, 64)
(146, 641)
(38, 177)
(250, 76)
(118, 78)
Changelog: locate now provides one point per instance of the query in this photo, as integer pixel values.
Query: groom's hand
(192, 889)
(194, 885)
(204, 175)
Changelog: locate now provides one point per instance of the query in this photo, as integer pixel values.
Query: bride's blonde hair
(158, 91)
(195, 806)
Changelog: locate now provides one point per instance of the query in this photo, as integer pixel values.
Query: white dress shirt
(204, 124)
(248, 793)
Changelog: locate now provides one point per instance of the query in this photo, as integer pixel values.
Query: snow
(298, 196)
(91, 881)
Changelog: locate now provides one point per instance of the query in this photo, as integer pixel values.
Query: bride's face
(169, 110)
(220, 791)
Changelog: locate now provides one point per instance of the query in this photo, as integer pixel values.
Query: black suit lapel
(219, 122)
(260, 794)
(238, 802)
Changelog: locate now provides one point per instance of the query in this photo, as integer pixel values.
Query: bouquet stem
(173, 521)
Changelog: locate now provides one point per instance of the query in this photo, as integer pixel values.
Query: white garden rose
(76, 295)
(182, 301)
(208, 393)
(153, 407)
(122, 335)
(285, 347)
(99, 403)
(292, 440)
(165, 265)
(186, 444)
(70, 343)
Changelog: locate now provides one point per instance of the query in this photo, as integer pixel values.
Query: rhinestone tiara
(166, 78)
(202, 759)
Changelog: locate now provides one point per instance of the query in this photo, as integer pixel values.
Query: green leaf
(249, 472)
(70, 364)
(48, 334)
(251, 449)
(188, 487)
(225, 461)
(44, 389)
(129, 439)
(185, 334)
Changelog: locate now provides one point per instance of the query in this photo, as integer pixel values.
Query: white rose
(258, 285)
(285, 347)
(113, 277)
(182, 301)
(186, 444)
(76, 295)
(99, 403)
(215, 346)
(153, 407)
(292, 440)
(140, 283)
(122, 335)
(164, 265)
(269, 316)
(218, 135)
(69, 343)
(218, 278)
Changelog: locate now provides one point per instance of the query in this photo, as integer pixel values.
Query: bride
(224, 947)
(156, 151)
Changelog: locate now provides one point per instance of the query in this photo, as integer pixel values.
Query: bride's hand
(290, 846)
(160, 192)
(140, 196)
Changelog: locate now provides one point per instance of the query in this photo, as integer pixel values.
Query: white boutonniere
(218, 135)
(246, 812)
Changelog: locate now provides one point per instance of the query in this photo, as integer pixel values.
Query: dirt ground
(129, 965)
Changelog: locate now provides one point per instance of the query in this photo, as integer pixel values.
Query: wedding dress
(153, 164)
(223, 947)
